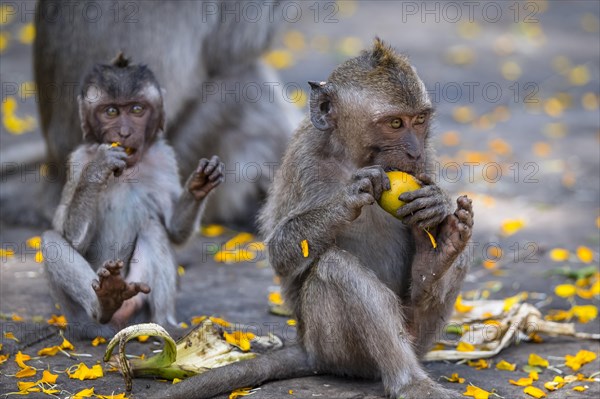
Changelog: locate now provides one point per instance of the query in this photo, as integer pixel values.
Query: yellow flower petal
(582, 357)
(559, 254)
(478, 364)
(463, 114)
(198, 319)
(565, 290)
(58, 321)
(279, 59)
(176, 380)
(27, 386)
(291, 322)
(465, 347)
(84, 393)
(10, 335)
(238, 393)
(536, 360)
(27, 33)
(534, 375)
(240, 339)
(143, 338)
(26, 372)
(585, 313)
(21, 358)
(50, 351)
(522, 382)
(67, 345)
(304, 246)
(16, 317)
(221, 322)
(212, 230)
(585, 254)
(98, 341)
(455, 378)
(82, 372)
(275, 298)
(511, 226)
(48, 377)
(535, 392)
(4, 358)
(476, 392)
(460, 307)
(504, 365)
(580, 388)
(34, 242)
(513, 300)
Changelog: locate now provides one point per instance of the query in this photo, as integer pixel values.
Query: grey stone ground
(560, 207)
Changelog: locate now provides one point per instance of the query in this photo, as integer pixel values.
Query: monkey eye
(137, 109)
(420, 119)
(112, 111)
(396, 123)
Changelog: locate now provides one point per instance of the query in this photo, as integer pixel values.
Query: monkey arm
(437, 275)
(318, 226)
(185, 217)
(207, 176)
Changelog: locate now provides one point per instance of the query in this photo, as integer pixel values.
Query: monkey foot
(113, 291)
(452, 238)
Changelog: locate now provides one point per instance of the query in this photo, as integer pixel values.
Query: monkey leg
(153, 263)
(352, 324)
(70, 278)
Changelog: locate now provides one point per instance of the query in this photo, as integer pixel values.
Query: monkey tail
(289, 362)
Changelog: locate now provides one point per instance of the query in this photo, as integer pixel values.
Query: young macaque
(108, 258)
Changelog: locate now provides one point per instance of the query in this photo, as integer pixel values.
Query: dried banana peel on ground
(494, 324)
(203, 348)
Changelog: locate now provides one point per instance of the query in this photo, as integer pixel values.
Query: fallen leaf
(26, 372)
(275, 298)
(84, 393)
(238, 393)
(58, 321)
(21, 358)
(212, 230)
(478, 364)
(10, 335)
(48, 377)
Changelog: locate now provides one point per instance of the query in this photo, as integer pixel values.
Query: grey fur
(133, 218)
(190, 48)
(372, 293)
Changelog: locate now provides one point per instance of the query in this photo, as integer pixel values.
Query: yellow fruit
(401, 182)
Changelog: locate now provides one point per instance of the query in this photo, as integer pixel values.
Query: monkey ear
(321, 108)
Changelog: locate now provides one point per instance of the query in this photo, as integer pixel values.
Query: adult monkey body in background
(372, 294)
(206, 55)
(122, 207)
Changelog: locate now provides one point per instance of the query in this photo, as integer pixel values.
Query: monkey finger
(464, 202)
(201, 165)
(103, 272)
(96, 285)
(416, 205)
(425, 179)
(427, 191)
(421, 218)
(365, 186)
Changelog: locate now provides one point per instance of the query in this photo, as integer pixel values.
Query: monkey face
(398, 142)
(126, 123)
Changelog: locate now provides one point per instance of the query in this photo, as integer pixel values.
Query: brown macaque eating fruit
(108, 258)
(369, 290)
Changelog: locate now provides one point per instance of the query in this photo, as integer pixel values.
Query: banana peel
(201, 349)
(494, 324)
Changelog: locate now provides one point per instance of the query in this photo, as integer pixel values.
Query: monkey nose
(124, 132)
(413, 155)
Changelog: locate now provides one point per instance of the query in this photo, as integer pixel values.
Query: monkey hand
(107, 161)
(112, 290)
(365, 188)
(207, 176)
(426, 207)
(452, 236)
